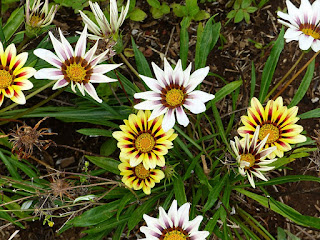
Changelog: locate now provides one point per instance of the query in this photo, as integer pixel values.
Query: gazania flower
(13, 76)
(144, 141)
(75, 67)
(174, 225)
(171, 91)
(276, 121)
(251, 157)
(36, 18)
(138, 177)
(105, 29)
(303, 23)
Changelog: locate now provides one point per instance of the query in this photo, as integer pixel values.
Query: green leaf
(156, 13)
(154, 3)
(15, 20)
(201, 15)
(184, 41)
(165, 9)
(179, 10)
(109, 224)
(12, 170)
(231, 14)
(253, 80)
(137, 15)
(214, 193)
(126, 198)
(192, 7)
(227, 89)
(315, 113)
(270, 66)
(239, 16)
(93, 132)
(6, 216)
(179, 191)
(108, 147)
(251, 9)
(208, 40)
(246, 16)
(283, 209)
(142, 63)
(281, 234)
(221, 129)
(245, 4)
(108, 164)
(145, 208)
(304, 85)
(284, 179)
(95, 215)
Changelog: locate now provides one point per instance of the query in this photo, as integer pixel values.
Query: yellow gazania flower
(13, 76)
(144, 141)
(276, 120)
(138, 177)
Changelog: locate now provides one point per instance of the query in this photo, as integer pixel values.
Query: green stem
(129, 65)
(296, 75)
(37, 105)
(285, 76)
(29, 96)
(24, 41)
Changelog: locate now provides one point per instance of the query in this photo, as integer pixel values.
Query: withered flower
(25, 138)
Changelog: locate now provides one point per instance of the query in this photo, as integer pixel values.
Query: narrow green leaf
(213, 221)
(270, 66)
(214, 193)
(284, 179)
(12, 170)
(208, 40)
(2, 37)
(253, 80)
(126, 198)
(111, 223)
(6, 216)
(108, 164)
(142, 63)
(184, 41)
(145, 208)
(304, 85)
(179, 191)
(95, 132)
(227, 89)
(315, 113)
(221, 129)
(108, 147)
(15, 20)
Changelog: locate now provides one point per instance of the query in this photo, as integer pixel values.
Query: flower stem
(129, 65)
(24, 41)
(37, 105)
(285, 76)
(29, 96)
(296, 75)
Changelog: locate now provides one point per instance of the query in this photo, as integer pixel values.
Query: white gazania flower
(303, 23)
(171, 91)
(105, 29)
(37, 18)
(174, 225)
(76, 67)
(251, 158)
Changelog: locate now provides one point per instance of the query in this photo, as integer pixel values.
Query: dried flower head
(26, 137)
(60, 187)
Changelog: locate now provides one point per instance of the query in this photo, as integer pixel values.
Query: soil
(231, 59)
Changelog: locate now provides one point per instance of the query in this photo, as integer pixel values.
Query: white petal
(145, 105)
(182, 116)
(104, 68)
(99, 78)
(60, 83)
(183, 215)
(92, 92)
(66, 45)
(193, 225)
(178, 76)
(195, 106)
(251, 181)
(152, 83)
(173, 213)
(81, 44)
(49, 73)
(201, 96)
(305, 42)
(48, 56)
(316, 45)
(259, 175)
(196, 78)
(168, 120)
(149, 95)
(159, 110)
(91, 52)
(160, 76)
(292, 33)
(58, 47)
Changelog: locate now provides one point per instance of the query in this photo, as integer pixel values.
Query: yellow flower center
(249, 158)
(174, 97)
(34, 20)
(145, 142)
(175, 235)
(311, 32)
(76, 72)
(141, 172)
(5, 79)
(270, 129)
